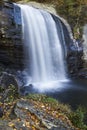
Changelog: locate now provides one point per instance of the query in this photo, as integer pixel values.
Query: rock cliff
(11, 49)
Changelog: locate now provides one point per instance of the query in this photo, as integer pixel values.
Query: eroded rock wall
(11, 47)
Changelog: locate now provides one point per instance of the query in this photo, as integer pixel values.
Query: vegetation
(75, 13)
(77, 117)
(44, 103)
(51, 102)
(8, 95)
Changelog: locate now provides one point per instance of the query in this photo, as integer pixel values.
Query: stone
(25, 90)
(4, 125)
(7, 79)
(25, 110)
(73, 50)
(74, 59)
(83, 73)
(8, 87)
(11, 48)
(49, 124)
(1, 112)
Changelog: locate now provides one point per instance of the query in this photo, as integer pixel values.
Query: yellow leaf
(11, 124)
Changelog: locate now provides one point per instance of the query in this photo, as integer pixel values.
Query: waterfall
(43, 47)
(85, 42)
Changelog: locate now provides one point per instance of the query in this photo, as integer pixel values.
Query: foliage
(50, 106)
(9, 94)
(12, 94)
(78, 117)
(73, 11)
(1, 89)
(36, 97)
(56, 105)
(43, 98)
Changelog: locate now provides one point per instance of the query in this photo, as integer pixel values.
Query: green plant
(41, 97)
(53, 103)
(77, 118)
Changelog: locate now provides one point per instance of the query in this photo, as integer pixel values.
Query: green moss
(36, 97)
(55, 104)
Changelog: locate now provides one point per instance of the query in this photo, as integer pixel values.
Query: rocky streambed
(36, 112)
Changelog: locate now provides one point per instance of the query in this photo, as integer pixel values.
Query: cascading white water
(43, 49)
(85, 42)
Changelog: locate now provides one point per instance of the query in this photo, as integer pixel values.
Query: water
(43, 49)
(74, 93)
(85, 42)
(45, 67)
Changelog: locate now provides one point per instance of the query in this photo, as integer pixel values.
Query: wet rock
(7, 79)
(73, 50)
(9, 89)
(83, 73)
(49, 124)
(4, 125)
(20, 126)
(74, 59)
(11, 48)
(1, 112)
(25, 110)
(25, 90)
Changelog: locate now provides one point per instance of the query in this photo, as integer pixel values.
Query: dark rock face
(73, 51)
(1, 112)
(74, 54)
(74, 60)
(11, 48)
(83, 73)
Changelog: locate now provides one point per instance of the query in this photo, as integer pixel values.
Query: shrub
(77, 118)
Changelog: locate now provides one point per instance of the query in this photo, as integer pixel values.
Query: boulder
(7, 79)
(25, 90)
(83, 73)
(25, 110)
(9, 89)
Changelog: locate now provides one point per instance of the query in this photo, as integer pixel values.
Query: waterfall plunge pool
(72, 92)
